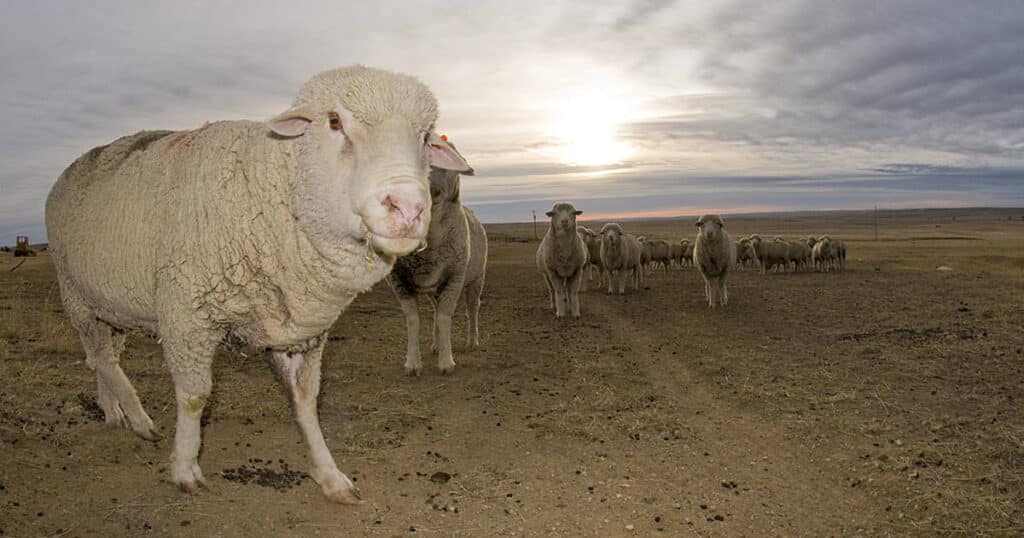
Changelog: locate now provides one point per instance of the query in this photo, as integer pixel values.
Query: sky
(642, 108)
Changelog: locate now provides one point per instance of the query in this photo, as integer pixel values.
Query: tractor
(21, 247)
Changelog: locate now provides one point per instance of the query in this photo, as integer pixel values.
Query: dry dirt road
(884, 401)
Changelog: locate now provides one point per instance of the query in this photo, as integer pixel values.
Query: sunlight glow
(586, 127)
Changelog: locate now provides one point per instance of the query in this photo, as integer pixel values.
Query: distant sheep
(745, 255)
(774, 253)
(450, 270)
(657, 252)
(562, 259)
(593, 242)
(620, 255)
(256, 234)
(714, 255)
(822, 254)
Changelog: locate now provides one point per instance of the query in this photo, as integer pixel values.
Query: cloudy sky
(648, 107)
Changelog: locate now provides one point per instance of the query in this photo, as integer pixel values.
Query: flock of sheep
(253, 234)
(569, 249)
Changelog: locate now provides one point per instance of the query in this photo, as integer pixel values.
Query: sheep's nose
(407, 211)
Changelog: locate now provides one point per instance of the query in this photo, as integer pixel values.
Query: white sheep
(676, 252)
(244, 232)
(562, 258)
(714, 255)
(770, 253)
(620, 255)
(658, 252)
(745, 254)
(450, 270)
(822, 254)
(593, 242)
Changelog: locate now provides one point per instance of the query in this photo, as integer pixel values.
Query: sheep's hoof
(446, 368)
(412, 371)
(188, 478)
(339, 489)
(149, 434)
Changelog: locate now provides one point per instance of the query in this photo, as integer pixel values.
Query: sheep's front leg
(447, 301)
(413, 361)
(300, 373)
(189, 357)
(575, 285)
(611, 282)
(558, 283)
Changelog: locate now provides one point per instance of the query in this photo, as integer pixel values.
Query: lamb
(246, 233)
(593, 242)
(620, 255)
(450, 270)
(562, 258)
(770, 253)
(714, 255)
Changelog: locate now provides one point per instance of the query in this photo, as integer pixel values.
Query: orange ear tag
(444, 138)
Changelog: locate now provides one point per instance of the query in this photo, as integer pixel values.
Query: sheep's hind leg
(301, 375)
(115, 393)
(472, 293)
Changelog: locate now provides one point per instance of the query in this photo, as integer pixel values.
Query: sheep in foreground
(245, 233)
(714, 254)
(561, 258)
(450, 270)
(620, 255)
(593, 241)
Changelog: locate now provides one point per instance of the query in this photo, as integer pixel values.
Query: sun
(587, 129)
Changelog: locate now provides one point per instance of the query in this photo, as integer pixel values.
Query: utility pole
(876, 222)
(534, 224)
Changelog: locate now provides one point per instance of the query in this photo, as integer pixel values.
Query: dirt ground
(884, 401)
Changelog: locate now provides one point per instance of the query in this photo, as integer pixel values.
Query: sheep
(450, 270)
(620, 255)
(822, 254)
(562, 257)
(687, 251)
(676, 252)
(593, 242)
(770, 253)
(714, 254)
(246, 233)
(840, 253)
(799, 254)
(658, 252)
(745, 254)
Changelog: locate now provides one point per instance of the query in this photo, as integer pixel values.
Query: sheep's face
(709, 226)
(611, 235)
(563, 217)
(363, 171)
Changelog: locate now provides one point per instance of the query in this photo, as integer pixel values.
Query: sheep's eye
(334, 121)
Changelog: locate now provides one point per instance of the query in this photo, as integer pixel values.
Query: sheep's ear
(292, 123)
(550, 213)
(578, 212)
(444, 155)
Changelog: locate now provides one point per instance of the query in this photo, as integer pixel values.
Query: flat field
(887, 400)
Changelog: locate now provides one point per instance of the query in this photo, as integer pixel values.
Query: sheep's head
(709, 226)
(445, 185)
(365, 141)
(611, 234)
(563, 217)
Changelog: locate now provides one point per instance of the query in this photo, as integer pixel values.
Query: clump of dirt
(90, 408)
(261, 473)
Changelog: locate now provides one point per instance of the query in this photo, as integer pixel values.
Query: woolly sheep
(620, 255)
(450, 270)
(687, 251)
(770, 253)
(593, 241)
(714, 254)
(822, 254)
(658, 252)
(676, 252)
(245, 233)
(561, 258)
(799, 254)
(745, 254)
